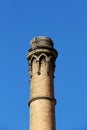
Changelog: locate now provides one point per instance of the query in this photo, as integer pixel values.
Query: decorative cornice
(39, 50)
(47, 59)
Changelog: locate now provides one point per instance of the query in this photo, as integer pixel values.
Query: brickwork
(41, 59)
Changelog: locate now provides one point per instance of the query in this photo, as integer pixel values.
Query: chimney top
(41, 41)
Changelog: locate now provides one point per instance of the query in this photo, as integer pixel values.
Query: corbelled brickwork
(41, 58)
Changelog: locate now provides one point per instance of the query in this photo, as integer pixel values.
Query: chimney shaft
(41, 58)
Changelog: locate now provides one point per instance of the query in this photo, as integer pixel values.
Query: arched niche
(33, 65)
(42, 63)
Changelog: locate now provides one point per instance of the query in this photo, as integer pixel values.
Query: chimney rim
(41, 41)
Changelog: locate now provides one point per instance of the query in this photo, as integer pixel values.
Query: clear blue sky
(65, 21)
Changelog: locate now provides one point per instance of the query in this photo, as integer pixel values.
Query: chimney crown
(41, 41)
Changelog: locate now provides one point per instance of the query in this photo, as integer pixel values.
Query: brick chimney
(41, 58)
